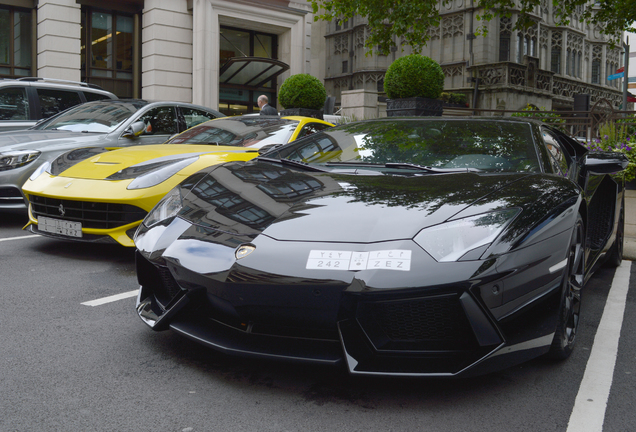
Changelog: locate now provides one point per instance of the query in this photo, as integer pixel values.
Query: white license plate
(62, 227)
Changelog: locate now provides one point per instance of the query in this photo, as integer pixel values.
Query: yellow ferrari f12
(96, 195)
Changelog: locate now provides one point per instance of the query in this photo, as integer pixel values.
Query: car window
(92, 117)
(247, 132)
(558, 158)
(94, 96)
(194, 116)
(312, 128)
(14, 104)
(53, 101)
(160, 121)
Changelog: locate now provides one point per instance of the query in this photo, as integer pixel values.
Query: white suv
(24, 101)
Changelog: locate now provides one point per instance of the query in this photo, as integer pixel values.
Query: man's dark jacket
(268, 110)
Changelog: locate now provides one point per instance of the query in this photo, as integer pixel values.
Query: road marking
(20, 238)
(591, 401)
(111, 299)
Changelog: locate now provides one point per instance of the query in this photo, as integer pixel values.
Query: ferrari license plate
(58, 226)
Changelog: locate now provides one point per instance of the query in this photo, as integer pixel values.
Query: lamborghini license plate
(62, 227)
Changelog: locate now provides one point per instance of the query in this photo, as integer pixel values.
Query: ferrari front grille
(97, 215)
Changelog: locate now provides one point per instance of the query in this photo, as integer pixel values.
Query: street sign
(619, 70)
(616, 76)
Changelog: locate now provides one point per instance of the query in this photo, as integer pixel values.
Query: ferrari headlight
(40, 170)
(17, 159)
(155, 176)
(167, 208)
(450, 241)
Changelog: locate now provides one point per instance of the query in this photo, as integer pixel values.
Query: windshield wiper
(296, 164)
(428, 169)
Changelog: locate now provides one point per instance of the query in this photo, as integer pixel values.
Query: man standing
(266, 109)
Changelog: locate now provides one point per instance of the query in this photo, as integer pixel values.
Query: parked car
(94, 195)
(396, 246)
(104, 124)
(24, 101)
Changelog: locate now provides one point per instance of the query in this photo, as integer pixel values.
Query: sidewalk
(629, 246)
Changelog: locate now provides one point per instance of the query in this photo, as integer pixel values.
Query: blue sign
(616, 76)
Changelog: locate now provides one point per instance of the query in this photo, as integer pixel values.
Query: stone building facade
(545, 65)
(179, 50)
(159, 49)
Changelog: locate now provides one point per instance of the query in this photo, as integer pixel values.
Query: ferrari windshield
(427, 145)
(101, 116)
(239, 131)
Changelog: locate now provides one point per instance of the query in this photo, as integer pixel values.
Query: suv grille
(91, 214)
(10, 195)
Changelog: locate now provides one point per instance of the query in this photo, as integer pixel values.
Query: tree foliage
(409, 20)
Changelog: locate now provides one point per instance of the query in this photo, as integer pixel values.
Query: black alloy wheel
(565, 335)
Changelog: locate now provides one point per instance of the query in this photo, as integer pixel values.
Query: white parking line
(19, 238)
(591, 401)
(111, 299)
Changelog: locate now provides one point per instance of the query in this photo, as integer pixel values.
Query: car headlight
(167, 208)
(452, 240)
(40, 170)
(17, 159)
(159, 175)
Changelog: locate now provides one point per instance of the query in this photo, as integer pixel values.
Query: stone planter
(306, 112)
(414, 106)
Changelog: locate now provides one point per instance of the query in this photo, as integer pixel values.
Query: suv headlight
(17, 159)
(452, 240)
(167, 208)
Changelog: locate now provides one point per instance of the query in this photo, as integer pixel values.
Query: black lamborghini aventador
(399, 246)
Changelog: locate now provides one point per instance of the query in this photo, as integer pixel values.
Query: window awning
(251, 71)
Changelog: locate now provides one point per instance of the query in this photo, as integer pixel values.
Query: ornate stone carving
(494, 75)
(613, 55)
(434, 32)
(368, 77)
(451, 71)
(543, 38)
(453, 25)
(575, 42)
(505, 25)
(341, 44)
(360, 36)
(557, 39)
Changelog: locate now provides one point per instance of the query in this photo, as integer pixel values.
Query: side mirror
(604, 162)
(134, 130)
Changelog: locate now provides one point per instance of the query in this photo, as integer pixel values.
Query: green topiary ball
(414, 75)
(302, 91)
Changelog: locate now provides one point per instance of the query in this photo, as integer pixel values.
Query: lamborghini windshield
(433, 145)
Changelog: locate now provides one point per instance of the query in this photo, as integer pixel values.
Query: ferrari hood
(254, 199)
(104, 165)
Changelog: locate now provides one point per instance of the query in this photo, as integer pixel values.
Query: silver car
(106, 123)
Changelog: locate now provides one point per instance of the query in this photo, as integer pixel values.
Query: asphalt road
(66, 366)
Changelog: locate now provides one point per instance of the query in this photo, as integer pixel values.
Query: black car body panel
(271, 261)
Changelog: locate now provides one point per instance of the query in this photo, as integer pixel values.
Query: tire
(570, 307)
(615, 253)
